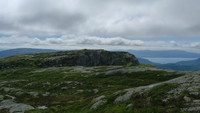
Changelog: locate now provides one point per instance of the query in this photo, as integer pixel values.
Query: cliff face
(70, 58)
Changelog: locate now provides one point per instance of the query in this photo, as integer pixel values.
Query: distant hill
(1, 49)
(20, 51)
(163, 54)
(192, 65)
(146, 61)
(70, 58)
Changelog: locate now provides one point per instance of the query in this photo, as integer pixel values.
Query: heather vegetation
(26, 87)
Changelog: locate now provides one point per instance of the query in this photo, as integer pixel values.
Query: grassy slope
(73, 101)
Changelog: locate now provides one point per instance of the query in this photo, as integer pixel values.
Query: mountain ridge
(191, 65)
(163, 54)
(137, 53)
(20, 51)
(180, 66)
(69, 58)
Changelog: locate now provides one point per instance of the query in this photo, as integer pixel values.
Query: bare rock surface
(1, 97)
(98, 101)
(14, 107)
(98, 104)
(129, 70)
(98, 98)
(189, 82)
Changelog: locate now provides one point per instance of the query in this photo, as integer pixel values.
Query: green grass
(72, 102)
(151, 102)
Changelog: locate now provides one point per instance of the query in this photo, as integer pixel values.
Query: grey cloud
(195, 45)
(114, 41)
(118, 18)
(49, 14)
(41, 17)
(89, 40)
(53, 20)
(55, 40)
(80, 42)
(7, 26)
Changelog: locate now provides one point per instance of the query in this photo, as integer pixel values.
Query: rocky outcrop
(98, 101)
(89, 58)
(14, 107)
(98, 98)
(1, 97)
(98, 104)
(70, 58)
(187, 90)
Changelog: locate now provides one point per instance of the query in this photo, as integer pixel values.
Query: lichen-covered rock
(195, 109)
(33, 94)
(129, 106)
(42, 107)
(20, 93)
(14, 107)
(123, 98)
(80, 91)
(187, 99)
(98, 98)
(98, 104)
(95, 90)
(10, 97)
(128, 70)
(1, 97)
(46, 94)
(64, 88)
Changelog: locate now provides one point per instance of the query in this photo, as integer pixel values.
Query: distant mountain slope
(1, 49)
(191, 62)
(192, 65)
(163, 54)
(19, 51)
(146, 61)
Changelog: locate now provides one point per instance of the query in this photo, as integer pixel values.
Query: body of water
(169, 60)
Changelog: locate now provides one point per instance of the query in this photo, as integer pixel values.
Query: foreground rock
(1, 97)
(14, 107)
(98, 101)
(98, 104)
(187, 85)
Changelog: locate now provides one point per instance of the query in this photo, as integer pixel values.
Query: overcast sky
(105, 24)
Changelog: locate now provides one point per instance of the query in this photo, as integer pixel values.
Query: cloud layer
(124, 18)
(94, 24)
(93, 42)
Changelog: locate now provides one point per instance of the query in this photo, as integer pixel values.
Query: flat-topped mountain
(70, 58)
